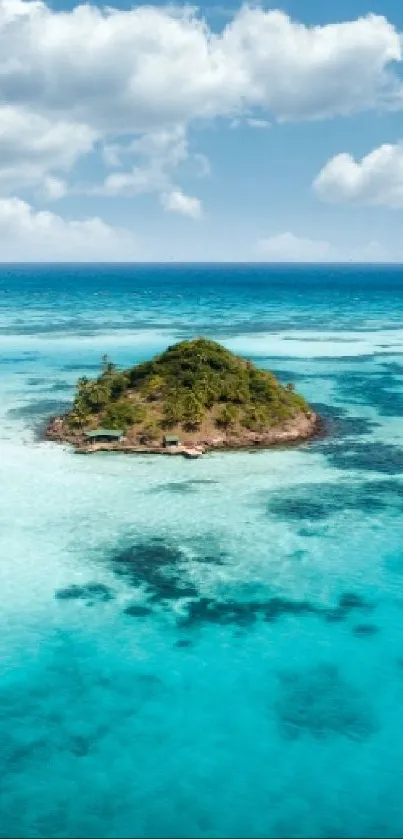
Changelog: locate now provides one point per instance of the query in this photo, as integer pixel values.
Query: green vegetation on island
(194, 388)
(189, 381)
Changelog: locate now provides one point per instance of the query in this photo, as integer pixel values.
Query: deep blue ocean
(209, 648)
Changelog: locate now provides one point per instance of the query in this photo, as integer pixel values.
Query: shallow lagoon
(209, 648)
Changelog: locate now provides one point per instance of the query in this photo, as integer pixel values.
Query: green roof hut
(104, 435)
(170, 440)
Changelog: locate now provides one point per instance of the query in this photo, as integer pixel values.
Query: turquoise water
(209, 648)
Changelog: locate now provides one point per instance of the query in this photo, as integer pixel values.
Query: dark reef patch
(162, 568)
(320, 501)
(206, 610)
(348, 602)
(89, 592)
(365, 630)
(393, 367)
(38, 409)
(243, 613)
(286, 375)
(157, 566)
(182, 487)
(349, 359)
(219, 558)
(321, 703)
(34, 381)
(137, 611)
(162, 571)
(61, 385)
(58, 386)
(298, 554)
(23, 358)
(177, 487)
(298, 508)
(81, 745)
(381, 391)
(54, 711)
(369, 457)
(276, 607)
(309, 532)
(337, 422)
(203, 481)
(183, 643)
(80, 368)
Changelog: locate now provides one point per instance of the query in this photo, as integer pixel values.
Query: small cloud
(249, 122)
(377, 179)
(178, 202)
(140, 180)
(53, 189)
(286, 247)
(29, 235)
(257, 123)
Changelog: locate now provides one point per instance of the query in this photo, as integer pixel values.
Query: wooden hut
(104, 435)
(170, 441)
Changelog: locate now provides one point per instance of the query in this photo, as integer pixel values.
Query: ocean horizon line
(197, 263)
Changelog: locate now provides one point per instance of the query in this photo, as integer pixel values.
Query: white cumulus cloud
(377, 179)
(159, 153)
(177, 201)
(300, 72)
(89, 74)
(126, 85)
(150, 66)
(26, 235)
(32, 146)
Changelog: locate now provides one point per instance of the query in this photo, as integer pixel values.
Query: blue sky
(223, 132)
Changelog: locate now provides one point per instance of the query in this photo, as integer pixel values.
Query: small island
(194, 397)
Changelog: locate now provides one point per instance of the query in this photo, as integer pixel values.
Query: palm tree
(107, 366)
(193, 410)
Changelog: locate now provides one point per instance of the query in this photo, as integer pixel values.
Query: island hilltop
(194, 397)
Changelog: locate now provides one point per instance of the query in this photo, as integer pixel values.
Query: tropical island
(194, 397)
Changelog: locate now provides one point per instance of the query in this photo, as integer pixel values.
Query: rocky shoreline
(296, 430)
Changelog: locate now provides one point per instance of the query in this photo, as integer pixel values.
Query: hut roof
(113, 433)
(171, 438)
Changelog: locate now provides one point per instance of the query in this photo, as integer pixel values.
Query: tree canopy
(188, 384)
